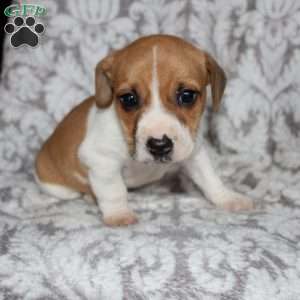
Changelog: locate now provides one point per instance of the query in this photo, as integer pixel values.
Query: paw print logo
(24, 32)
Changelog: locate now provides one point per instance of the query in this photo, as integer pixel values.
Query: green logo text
(24, 10)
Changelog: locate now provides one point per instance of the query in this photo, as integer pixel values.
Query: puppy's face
(158, 86)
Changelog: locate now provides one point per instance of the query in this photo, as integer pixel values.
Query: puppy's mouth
(159, 159)
(162, 159)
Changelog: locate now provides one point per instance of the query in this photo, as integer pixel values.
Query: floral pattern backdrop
(182, 248)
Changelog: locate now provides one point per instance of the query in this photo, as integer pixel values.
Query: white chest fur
(104, 149)
(136, 174)
(104, 142)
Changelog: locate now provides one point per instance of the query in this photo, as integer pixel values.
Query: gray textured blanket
(182, 248)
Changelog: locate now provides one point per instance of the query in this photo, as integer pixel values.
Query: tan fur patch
(57, 161)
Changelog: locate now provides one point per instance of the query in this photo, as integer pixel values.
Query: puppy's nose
(159, 147)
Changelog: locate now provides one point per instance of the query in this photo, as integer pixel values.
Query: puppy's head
(158, 86)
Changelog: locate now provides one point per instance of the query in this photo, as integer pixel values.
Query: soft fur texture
(182, 248)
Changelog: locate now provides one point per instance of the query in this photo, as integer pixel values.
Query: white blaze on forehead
(155, 83)
(156, 122)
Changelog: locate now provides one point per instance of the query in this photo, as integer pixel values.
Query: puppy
(143, 121)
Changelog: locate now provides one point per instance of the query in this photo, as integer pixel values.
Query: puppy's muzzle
(160, 148)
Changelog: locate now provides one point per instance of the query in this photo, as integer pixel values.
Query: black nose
(159, 147)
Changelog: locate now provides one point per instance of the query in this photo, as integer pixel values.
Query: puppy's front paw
(120, 219)
(232, 201)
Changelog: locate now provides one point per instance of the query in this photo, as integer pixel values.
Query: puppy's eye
(129, 101)
(186, 97)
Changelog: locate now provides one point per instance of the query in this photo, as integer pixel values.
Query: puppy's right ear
(103, 85)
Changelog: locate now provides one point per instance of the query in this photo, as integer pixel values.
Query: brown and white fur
(100, 148)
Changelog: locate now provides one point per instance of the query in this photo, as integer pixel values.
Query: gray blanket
(183, 247)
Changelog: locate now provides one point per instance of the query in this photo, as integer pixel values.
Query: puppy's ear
(103, 85)
(217, 80)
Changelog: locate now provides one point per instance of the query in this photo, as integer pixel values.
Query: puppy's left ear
(217, 80)
(103, 82)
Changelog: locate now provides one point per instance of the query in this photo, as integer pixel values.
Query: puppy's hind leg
(49, 178)
(57, 190)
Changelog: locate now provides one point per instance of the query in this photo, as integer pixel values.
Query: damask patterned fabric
(182, 248)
